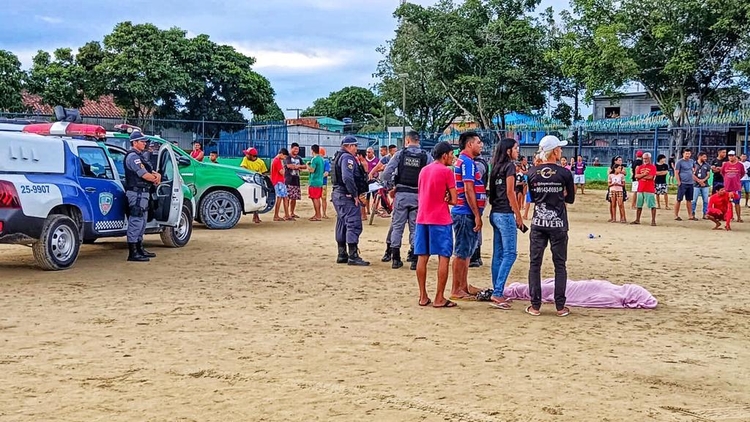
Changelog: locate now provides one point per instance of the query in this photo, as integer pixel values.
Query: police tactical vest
(409, 165)
(132, 180)
(360, 177)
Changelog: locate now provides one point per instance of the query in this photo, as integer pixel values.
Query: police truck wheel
(58, 246)
(220, 210)
(177, 237)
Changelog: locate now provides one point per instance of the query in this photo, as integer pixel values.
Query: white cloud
(313, 59)
(48, 19)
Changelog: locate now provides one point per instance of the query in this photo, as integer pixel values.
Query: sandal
(563, 312)
(501, 305)
(531, 311)
(428, 303)
(278, 219)
(447, 304)
(678, 219)
(693, 219)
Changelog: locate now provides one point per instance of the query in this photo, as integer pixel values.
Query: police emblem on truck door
(105, 202)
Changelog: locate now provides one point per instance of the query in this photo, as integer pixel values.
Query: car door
(104, 192)
(169, 192)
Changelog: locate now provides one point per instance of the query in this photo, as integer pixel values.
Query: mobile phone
(524, 229)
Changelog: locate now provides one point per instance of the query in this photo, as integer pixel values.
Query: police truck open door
(169, 192)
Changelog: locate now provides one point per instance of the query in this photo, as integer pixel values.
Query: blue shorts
(465, 236)
(746, 186)
(280, 189)
(737, 197)
(431, 239)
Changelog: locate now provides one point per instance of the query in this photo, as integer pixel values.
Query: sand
(259, 324)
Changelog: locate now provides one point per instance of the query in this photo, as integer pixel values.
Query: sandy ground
(259, 324)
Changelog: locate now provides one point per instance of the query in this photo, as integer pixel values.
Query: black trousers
(558, 241)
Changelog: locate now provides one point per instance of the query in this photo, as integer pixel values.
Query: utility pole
(295, 109)
(403, 77)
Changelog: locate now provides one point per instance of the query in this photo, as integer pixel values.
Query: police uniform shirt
(348, 166)
(134, 162)
(391, 170)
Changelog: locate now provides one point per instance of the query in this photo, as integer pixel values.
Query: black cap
(441, 148)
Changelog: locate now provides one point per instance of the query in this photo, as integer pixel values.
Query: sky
(306, 48)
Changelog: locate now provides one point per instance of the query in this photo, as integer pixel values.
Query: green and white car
(222, 193)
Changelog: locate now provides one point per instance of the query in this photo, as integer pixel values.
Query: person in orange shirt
(720, 207)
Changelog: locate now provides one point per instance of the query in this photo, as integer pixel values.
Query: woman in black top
(505, 217)
(662, 170)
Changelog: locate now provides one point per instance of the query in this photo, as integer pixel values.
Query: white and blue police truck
(57, 193)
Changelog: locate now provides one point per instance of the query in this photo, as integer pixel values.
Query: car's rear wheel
(59, 244)
(220, 210)
(179, 236)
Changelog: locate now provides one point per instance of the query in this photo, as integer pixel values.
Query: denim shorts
(746, 186)
(465, 236)
(433, 239)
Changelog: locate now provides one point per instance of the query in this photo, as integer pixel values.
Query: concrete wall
(629, 106)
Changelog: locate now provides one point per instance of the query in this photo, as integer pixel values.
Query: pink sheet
(589, 294)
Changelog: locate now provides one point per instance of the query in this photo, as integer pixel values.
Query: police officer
(139, 178)
(402, 172)
(349, 182)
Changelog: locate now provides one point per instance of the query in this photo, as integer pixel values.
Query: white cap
(732, 152)
(549, 142)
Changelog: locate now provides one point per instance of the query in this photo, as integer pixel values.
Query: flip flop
(531, 311)
(428, 303)
(447, 304)
(678, 219)
(278, 219)
(464, 298)
(501, 305)
(314, 219)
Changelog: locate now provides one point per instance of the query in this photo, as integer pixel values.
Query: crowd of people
(441, 197)
(719, 186)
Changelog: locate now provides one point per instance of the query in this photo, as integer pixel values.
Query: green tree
(273, 114)
(57, 79)
(11, 82)
(403, 72)
(486, 54)
(141, 66)
(563, 112)
(682, 51)
(353, 102)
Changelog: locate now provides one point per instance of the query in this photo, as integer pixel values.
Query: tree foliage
(155, 72)
(58, 78)
(487, 55)
(684, 52)
(11, 81)
(273, 114)
(353, 102)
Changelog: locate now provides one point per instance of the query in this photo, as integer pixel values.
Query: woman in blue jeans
(505, 217)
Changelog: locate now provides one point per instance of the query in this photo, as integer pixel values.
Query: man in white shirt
(745, 179)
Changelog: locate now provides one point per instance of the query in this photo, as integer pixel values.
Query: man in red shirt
(645, 175)
(732, 172)
(434, 232)
(277, 180)
(720, 207)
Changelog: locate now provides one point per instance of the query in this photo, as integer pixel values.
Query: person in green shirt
(317, 169)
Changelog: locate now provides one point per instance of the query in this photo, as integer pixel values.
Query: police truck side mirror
(183, 161)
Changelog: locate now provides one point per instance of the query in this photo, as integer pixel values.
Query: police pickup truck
(57, 192)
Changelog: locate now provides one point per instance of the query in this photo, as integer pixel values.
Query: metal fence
(229, 139)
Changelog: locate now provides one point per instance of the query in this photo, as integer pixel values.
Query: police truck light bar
(66, 129)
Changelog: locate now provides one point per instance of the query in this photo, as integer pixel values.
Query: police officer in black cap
(139, 178)
(349, 182)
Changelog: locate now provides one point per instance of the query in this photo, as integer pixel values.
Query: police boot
(413, 265)
(134, 255)
(354, 258)
(387, 257)
(343, 257)
(476, 259)
(144, 252)
(410, 255)
(397, 263)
